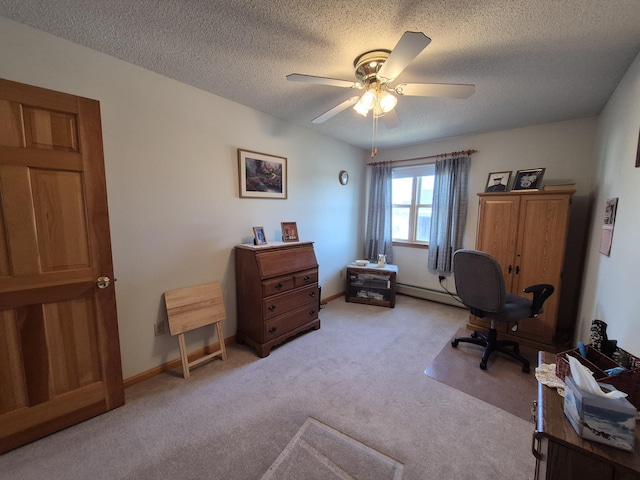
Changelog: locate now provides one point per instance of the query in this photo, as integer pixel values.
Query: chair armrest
(541, 292)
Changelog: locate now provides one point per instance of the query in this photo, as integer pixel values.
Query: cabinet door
(498, 231)
(540, 255)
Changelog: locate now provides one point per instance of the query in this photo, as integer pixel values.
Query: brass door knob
(103, 282)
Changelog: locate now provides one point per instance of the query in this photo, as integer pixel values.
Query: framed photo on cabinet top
(262, 175)
(289, 232)
(498, 182)
(528, 179)
(259, 237)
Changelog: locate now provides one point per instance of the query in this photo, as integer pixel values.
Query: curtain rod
(439, 155)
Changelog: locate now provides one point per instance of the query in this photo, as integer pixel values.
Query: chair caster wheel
(483, 366)
(454, 343)
(474, 335)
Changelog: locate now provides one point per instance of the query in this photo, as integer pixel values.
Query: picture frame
(502, 185)
(262, 175)
(259, 238)
(530, 179)
(289, 232)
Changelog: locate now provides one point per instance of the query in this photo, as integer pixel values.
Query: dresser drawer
(278, 285)
(285, 323)
(279, 304)
(305, 278)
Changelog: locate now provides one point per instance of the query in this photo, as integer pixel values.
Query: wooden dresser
(562, 455)
(277, 293)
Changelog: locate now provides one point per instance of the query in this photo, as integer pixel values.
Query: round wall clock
(343, 176)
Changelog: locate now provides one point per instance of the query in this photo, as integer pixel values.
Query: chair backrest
(479, 280)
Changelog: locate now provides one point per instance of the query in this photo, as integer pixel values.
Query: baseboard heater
(427, 294)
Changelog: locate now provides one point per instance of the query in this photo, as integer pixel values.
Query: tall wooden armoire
(526, 231)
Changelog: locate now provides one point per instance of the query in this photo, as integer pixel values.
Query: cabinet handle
(534, 448)
(509, 269)
(307, 278)
(272, 308)
(517, 269)
(312, 294)
(272, 329)
(312, 313)
(278, 286)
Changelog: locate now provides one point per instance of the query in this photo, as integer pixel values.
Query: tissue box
(603, 420)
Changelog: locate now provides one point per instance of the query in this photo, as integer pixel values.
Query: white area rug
(319, 452)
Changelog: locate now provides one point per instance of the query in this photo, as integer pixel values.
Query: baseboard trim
(427, 294)
(165, 367)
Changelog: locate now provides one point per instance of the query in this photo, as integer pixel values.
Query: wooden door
(497, 235)
(59, 346)
(542, 237)
(498, 231)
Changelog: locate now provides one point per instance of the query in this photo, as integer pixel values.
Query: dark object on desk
(480, 286)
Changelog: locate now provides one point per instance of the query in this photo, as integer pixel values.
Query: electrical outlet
(158, 329)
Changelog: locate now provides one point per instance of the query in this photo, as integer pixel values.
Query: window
(411, 197)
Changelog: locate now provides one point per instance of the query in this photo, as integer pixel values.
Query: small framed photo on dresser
(289, 232)
(258, 236)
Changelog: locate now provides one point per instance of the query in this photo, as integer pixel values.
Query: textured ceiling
(532, 61)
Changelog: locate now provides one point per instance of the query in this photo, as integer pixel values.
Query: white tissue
(584, 380)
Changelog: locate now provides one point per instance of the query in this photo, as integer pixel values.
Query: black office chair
(480, 286)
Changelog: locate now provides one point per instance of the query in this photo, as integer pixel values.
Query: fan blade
(335, 110)
(391, 119)
(334, 82)
(408, 48)
(435, 90)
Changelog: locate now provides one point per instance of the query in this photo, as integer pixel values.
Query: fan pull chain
(374, 147)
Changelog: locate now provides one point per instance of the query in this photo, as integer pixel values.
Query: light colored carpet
(319, 452)
(502, 384)
(362, 373)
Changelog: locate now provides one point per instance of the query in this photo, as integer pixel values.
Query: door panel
(543, 235)
(59, 347)
(498, 231)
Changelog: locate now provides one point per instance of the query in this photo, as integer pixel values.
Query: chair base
(491, 344)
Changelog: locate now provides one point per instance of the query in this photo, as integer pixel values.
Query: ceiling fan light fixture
(369, 99)
(360, 108)
(386, 101)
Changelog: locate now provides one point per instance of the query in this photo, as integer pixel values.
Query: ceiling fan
(375, 71)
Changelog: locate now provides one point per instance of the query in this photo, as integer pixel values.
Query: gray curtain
(449, 212)
(378, 232)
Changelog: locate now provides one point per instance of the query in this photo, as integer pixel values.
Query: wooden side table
(560, 452)
(371, 284)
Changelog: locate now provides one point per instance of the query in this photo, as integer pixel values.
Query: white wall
(611, 283)
(172, 181)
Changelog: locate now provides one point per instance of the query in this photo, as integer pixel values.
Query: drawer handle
(278, 286)
(312, 313)
(272, 329)
(534, 447)
(272, 308)
(307, 278)
(312, 294)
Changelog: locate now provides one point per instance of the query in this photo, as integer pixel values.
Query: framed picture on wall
(259, 237)
(262, 175)
(528, 179)
(498, 182)
(289, 232)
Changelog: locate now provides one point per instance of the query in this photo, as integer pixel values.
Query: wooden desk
(562, 455)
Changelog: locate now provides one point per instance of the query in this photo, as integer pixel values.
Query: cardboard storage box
(603, 420)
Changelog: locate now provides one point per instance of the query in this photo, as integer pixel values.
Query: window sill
(396, 243)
